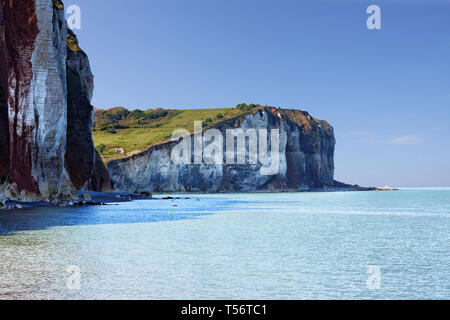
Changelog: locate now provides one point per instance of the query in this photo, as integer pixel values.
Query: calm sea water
(355, 245)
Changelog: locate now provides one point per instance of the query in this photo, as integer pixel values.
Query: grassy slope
(137, 135)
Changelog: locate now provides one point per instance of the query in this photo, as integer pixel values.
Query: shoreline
(94, 198)
(86, 198)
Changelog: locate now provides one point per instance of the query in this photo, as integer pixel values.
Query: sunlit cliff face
(34, 108)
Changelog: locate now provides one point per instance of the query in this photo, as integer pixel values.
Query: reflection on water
(246, 246)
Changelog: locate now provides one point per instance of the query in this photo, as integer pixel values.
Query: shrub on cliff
(247, 107)
(101, 148)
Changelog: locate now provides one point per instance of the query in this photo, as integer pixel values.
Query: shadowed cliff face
(306, 160)
(80, 155)
(100, 180)
(85, 166)
(43, 108)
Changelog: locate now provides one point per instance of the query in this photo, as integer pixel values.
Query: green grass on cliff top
(120, 133)
(135, 131)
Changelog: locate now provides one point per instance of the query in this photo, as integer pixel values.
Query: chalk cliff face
(35, 41)
(35, 89)
(306, 160)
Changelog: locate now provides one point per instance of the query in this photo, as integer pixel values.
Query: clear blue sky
(386, 92)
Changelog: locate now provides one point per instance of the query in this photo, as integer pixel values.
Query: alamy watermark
(74, 279)
(374, 279)
(73, 17)
(209, 147)
(374, 20)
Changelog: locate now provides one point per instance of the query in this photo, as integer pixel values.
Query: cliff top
(120, 133)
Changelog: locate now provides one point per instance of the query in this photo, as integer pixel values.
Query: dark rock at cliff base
(340, 186)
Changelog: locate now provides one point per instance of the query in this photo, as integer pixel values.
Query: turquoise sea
(349, 245)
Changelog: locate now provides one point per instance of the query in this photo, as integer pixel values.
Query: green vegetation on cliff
(119, 132)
